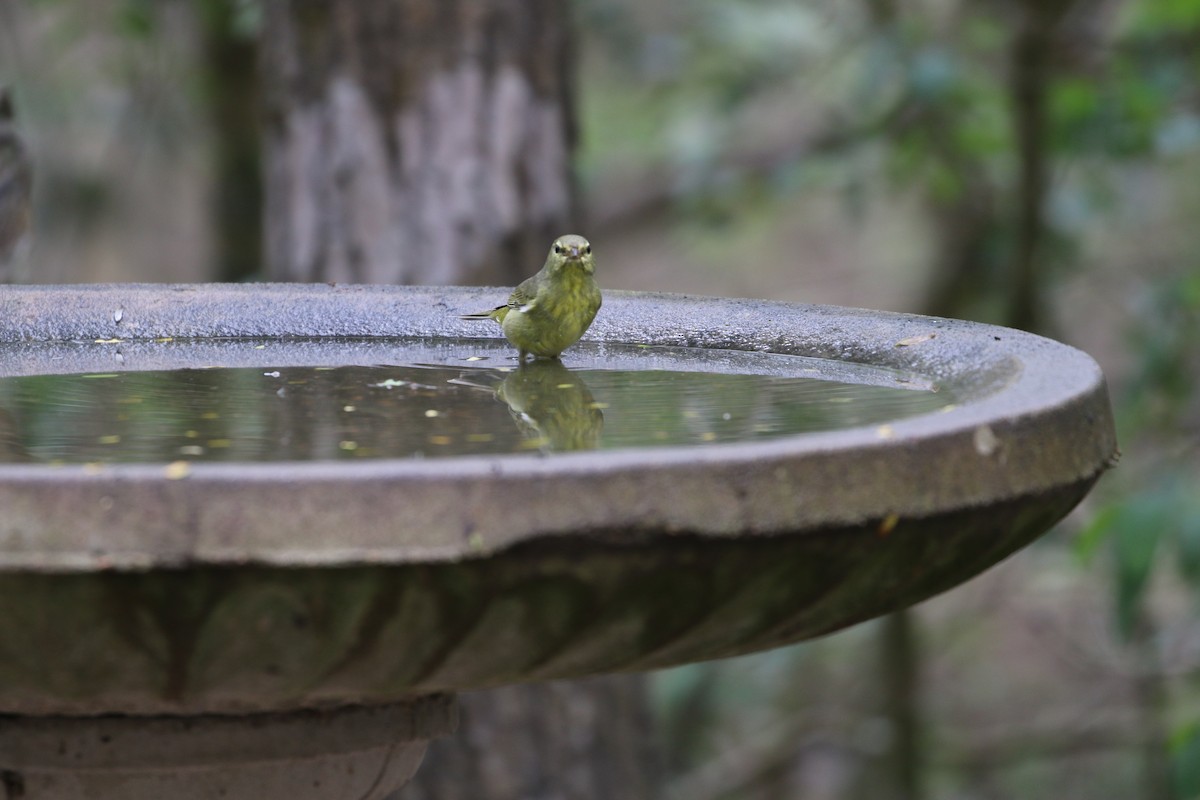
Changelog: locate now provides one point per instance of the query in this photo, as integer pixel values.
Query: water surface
(298, 413)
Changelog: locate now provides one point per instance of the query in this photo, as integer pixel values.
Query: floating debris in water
(392, 383)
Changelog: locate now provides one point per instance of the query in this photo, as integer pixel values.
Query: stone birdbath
(254, 538)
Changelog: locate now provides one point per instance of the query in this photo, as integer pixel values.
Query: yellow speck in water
(130, 401)
(534, 443)
(191, 434)
(218, 444)
(480, 437)
(474, 358)
(93, 468)
(597, 405)
(164, 339)
(177, 470)
(110, 439)
(100, 375)
(432, 412)
(565, 386)
(191, 450)
(885, 432)
(324, 369)
(107, 341)
(348, 445)
(260, 347)
(349, 408)
(440, 440)
(708, 436)
(210, 415)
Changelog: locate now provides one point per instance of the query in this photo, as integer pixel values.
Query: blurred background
(1034, 163)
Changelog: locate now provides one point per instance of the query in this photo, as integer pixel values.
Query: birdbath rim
(1032, 416)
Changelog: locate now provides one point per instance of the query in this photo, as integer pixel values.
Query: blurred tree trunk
(1030, 60)
(568, 740)
(966, 230)
(429, 141)
(900, 664)
(416, 141)
(233, 97)
(16, 188)
(1153, 724)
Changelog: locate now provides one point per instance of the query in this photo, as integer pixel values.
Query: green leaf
(1185, 762)
(1174, 16)
(1096, 532)
(1187, 522)
(136, 19)
(1138, 528)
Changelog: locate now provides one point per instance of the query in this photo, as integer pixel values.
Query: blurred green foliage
(747, 103)
(1149, 517)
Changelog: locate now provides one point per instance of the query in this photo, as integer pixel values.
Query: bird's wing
(525, 295)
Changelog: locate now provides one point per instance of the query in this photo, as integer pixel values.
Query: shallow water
(296, 413)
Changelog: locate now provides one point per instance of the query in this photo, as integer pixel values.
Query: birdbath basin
(259, 535)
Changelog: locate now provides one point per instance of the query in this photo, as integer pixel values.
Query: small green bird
(548, 312)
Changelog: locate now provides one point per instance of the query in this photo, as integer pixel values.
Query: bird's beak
(574, 253)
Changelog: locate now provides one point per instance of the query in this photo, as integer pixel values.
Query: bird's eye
(588, 249)
(558, 248)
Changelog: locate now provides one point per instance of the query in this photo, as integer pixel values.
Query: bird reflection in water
(552, 406)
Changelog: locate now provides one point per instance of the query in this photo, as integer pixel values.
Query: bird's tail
(491, 313)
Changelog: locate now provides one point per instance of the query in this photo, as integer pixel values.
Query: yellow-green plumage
(548, 312)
